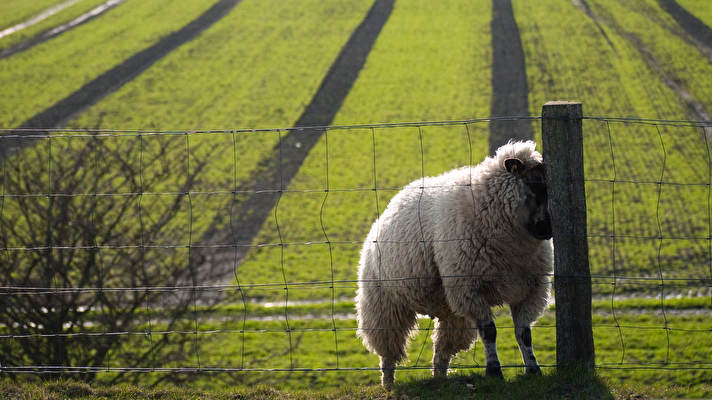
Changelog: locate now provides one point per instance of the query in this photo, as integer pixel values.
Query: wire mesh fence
(130, 254)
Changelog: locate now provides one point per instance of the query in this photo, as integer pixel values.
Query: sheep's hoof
(388, 378)
(494, 372)
(534, 370)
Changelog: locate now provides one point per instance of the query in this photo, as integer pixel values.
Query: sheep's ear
(513, 165)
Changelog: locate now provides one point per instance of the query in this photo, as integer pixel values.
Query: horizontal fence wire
(629, 238)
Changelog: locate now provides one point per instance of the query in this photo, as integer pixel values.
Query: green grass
(431, 62)
(37, 78)
(661, 35)
(631, 339)
(632, 353)
(57, 19)
(554, 386)
(699, 8)
(611, 77)
(324, 309)
(414, 54)
(13, 12)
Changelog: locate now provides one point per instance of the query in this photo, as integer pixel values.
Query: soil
(510, 93)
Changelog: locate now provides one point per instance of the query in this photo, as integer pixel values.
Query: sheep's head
(533, 209)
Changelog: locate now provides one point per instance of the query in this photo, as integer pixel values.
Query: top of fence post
(562, 139)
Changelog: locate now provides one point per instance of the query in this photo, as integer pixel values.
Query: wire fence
(131, 253)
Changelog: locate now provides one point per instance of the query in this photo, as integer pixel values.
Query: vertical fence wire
(470, 165)
(328, 243)
(422, 233)
(236, 260)
(660, 245)
(142, 230)
(191, 264)
(613, 239)
(709, 205)
(281, 251)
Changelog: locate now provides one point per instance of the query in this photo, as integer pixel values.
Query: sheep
(452, 247)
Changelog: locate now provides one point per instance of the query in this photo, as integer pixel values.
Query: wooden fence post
(562, 136)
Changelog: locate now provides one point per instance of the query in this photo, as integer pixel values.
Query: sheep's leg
(524, 338)
(385, 326)
(488, 332)
(451, 335)
(523, 333)
(388, 372)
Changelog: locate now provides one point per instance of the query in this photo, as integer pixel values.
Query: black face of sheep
(538, 221)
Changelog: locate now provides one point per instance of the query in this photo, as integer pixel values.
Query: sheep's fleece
(452, 247)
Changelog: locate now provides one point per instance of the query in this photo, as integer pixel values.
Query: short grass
(699, 8)
(13, 12)
(55, 20)
(638, 350)
(35, 79)
(554, 386)
(667, 354)
(661, 35)
(420, 68)
(661, 230)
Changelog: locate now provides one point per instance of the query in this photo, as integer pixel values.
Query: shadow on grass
(577, 384)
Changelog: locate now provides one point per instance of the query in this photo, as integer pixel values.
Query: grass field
(648, 185)
(625, 340)
(37, 78)
(17, 11)
(21, 12)
(699, 8)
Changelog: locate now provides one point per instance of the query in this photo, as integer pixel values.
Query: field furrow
(36, 79)
(59, 29)
(510, 92)
(349, 163)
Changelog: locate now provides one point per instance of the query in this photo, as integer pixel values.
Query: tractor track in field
(695, 109)
(37, 18)
(510, 92)
(274, 172)
(58, 30)
(698, 31)
(113, 79)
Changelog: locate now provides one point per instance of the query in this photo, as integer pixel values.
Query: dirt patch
(56, 31)
(510, 92)
(700, 33)
(113, 79)
(275, 171)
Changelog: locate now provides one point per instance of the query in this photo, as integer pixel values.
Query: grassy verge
(638, 350)
(661, 354)
(57, 19)
(550, 386)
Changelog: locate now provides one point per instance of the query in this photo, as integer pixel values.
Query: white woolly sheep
(452, 247)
